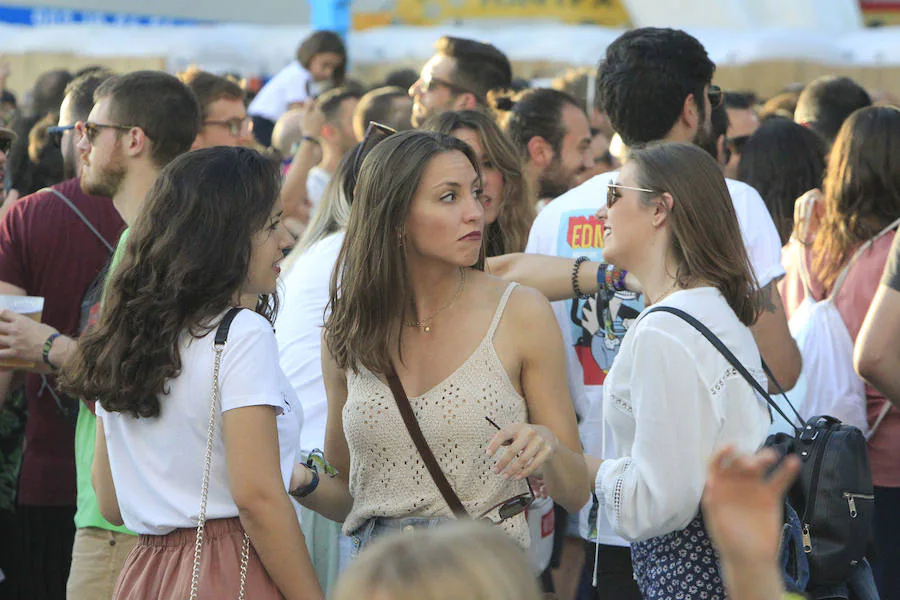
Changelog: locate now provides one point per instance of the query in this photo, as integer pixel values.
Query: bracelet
(310, 487)
(601, 276)
(575, 287)
(45, 353)
(309, 138)
(615, 279)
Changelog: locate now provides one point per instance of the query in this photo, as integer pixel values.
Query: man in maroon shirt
(53, 244)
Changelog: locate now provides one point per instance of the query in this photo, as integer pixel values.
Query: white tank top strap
(500, 308)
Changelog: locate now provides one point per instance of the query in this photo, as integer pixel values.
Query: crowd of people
(285, 337)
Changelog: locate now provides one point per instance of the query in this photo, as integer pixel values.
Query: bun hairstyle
(502, 100)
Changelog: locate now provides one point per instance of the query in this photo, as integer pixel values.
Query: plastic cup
(30, 306)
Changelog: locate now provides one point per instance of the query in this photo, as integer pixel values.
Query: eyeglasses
(508, 508)
(431, 81)
(715, 95)
(235, 126)
(612, 195)
(56, 132)
(92, 130)
(375, 134)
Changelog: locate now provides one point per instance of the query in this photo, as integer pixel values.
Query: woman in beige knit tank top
(409, 293)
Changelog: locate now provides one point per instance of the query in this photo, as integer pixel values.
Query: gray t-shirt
(891, 276)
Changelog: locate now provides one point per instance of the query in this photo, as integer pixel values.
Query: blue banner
(45, 15)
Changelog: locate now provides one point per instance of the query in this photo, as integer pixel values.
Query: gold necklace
(670, 291)
(425, 324)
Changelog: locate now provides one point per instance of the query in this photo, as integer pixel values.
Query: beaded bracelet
(575, 287)
(45, 352)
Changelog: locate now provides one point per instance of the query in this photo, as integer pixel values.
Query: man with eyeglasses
(53, 244)
(224, 114)
(458, 77)
(139, 123)
(655, 85)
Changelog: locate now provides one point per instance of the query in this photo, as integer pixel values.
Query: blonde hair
(460, 560)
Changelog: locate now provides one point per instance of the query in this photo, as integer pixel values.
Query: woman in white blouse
(670, 398)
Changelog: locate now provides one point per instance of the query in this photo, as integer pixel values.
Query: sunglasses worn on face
(56, 132)
(92, 130)
(737, 144)
(428, 84)
(613, 195)
(235, 125)
(715, 95)
(375, 134)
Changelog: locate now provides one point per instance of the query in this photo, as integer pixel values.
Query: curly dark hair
(644, 78)
(185, 262)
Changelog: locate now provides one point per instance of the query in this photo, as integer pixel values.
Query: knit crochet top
(388, 477)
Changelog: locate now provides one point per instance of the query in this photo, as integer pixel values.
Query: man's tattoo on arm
(765, 298)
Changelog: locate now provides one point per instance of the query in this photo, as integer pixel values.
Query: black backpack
(833, 494)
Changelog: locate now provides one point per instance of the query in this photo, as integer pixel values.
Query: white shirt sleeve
(760, 235)
(297, 88)
(249, 373)
(657, 489)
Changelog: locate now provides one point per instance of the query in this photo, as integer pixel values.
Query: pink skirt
(160, 566)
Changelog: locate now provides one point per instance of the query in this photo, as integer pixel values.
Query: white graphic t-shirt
(593, 329)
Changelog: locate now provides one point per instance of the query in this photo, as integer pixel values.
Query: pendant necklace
(425, 324)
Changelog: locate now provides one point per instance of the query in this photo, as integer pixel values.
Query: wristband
(310, 487)
(615, 279)
(575, 287)
(601, 276)
(45, 353)
(311, 139)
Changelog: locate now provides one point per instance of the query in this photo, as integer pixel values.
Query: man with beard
(139, 123)
(53, 244)
(655, 85)
(553, 136)
(458, 77)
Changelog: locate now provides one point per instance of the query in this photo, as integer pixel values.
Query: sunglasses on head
(375, 134)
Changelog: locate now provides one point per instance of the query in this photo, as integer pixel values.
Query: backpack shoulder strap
(81, 216)
(865, 246)
(727, 354)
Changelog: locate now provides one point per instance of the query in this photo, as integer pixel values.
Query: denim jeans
(378, 527)
(860, 587)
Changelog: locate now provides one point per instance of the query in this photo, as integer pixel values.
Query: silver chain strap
(204, 491)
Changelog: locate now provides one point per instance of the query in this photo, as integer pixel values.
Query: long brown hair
(862, 188)
(370, 286)
(184, 263)
(706, 239)
(509, 233)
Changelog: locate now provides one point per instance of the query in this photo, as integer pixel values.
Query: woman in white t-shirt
(210, 233)
(321, 58)
(670, 398)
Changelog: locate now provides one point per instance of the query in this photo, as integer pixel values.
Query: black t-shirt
(891, 277)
